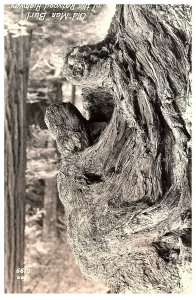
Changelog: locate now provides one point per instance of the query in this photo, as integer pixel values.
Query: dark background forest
(49, 261)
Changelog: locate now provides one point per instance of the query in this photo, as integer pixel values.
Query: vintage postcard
(97, 148)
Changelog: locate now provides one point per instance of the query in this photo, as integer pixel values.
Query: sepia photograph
(97, 148)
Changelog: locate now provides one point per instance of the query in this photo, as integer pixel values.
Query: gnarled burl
(127, 191)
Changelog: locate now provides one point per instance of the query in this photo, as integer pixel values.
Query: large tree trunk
(17, 50)
(127, 194)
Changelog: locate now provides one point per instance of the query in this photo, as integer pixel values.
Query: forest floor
(53, 270)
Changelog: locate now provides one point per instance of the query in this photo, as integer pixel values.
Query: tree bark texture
(17, 50)
(127, 193)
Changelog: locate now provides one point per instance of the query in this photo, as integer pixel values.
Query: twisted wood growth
(127, 194)
(17, 51)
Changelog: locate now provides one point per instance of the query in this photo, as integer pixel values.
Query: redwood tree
(17, 51)
(126, 189)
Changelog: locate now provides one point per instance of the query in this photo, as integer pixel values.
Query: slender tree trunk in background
(73, 94)
(17, 50)
(54, 94)
(50, 204)
(128, 195)
(50, 207)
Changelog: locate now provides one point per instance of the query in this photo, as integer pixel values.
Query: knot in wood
(67, 127)
(87, 65)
